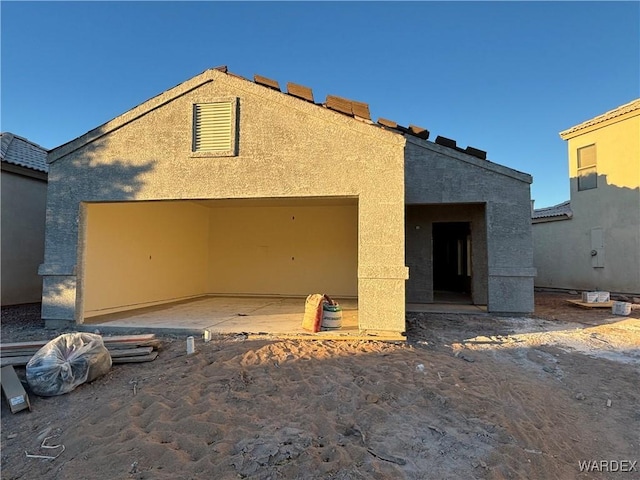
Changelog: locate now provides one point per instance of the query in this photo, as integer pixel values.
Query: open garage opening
(154, 255)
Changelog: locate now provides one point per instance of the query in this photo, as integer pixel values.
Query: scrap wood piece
(127, 356)
(20, 361)
(129, 338)
(143, 343)
(582, 304)
(130, 352)
(113, 339)
(19, 353)
(139, 359)
(5, 347)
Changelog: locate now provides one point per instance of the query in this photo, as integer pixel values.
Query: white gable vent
(213, 127)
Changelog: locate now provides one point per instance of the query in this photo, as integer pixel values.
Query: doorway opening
(452, 273)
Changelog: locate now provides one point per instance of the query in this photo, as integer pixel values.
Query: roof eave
(468, 158)
(616, 115)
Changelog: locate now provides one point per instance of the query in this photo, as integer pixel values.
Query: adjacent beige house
(592, 242)
(24, 200)
(231, 187)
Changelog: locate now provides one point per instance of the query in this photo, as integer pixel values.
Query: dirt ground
(466, 397)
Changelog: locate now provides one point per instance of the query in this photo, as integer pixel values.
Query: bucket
(621, 308)
(331, 317)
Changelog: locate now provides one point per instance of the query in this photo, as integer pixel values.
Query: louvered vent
(212, 125)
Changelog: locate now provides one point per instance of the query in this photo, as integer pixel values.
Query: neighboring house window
(214, 128)
(587, 173)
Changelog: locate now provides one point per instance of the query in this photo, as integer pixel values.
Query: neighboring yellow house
(24, 201)
(593, 241)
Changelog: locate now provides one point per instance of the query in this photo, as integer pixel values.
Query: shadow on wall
(599, 247)
(621, 204)
(88, 174)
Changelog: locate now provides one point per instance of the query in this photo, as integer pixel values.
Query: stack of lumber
(122, 348)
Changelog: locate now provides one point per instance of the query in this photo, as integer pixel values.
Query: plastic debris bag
(66, 362)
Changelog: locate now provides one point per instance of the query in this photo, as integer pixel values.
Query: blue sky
(504, 77)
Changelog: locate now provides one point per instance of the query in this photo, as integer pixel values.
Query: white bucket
(331, 317)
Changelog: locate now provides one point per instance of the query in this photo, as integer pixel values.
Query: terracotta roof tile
(419, 132)
(300, 91)
(387, 123)
(339, 104)
(267, 82)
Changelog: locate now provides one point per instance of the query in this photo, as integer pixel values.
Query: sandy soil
(466, 397)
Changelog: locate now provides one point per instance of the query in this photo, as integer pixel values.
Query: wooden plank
(15, 361)
(146, 354)
(129, 338)
(145, 358)
(111, 347)
(122, 346)
(582, 304)
(125, 339)
(18, 345)
(19, 353)
(130, 352)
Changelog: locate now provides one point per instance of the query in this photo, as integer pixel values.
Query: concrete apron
(251, 316)
(280, 317)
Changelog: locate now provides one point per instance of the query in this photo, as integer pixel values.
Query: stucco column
(381, 270)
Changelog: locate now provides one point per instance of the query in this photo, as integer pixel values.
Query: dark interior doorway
(452, 261)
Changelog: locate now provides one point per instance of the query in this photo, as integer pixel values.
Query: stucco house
(227, 186)
(24, 200)
(592, 242)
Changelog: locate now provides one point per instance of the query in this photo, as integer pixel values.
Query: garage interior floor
(252, 315)
(223, 315)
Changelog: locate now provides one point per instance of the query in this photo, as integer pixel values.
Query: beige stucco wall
(287, 148)
(23, 213)
(142, 253)
(562, 250)
(284, 250)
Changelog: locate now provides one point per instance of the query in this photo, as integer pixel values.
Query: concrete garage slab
(222, 315)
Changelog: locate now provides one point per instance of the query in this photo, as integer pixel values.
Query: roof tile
(616, 112)
(20, 151)
(300, 91)
(560, 210)
(267, 82)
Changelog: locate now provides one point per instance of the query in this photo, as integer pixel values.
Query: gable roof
(22, 152)
(630, 107)
(356, 110)
(561, 211)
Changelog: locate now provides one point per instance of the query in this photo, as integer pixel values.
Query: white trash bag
(66, 362)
